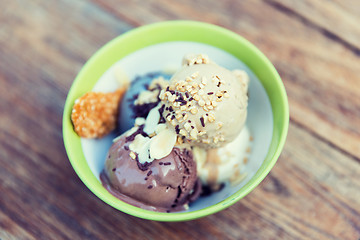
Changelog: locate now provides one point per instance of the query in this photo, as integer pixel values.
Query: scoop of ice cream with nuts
(205, 103)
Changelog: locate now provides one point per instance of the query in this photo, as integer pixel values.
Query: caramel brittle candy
(94, 114)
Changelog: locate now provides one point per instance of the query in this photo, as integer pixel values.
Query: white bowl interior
(168, 56)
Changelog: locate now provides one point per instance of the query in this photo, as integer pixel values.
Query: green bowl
(184, 31)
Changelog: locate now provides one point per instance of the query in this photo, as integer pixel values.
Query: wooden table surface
(313, 192)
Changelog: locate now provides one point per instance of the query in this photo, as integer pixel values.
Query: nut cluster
(184, 98)
(94, 114)
(152, 92)
(196, 59)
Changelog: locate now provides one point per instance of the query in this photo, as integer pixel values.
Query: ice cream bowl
(161, 46)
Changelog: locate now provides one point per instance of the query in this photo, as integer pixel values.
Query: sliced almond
(162, 144)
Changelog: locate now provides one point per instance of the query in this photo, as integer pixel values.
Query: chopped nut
(172, 98)
(193, 134)
(173, 122)
(178, 116)
(183, 132)
(206, 141)
(201, 133)
(187, 126)
(179, 140)
(221, 138)
(201, 103)
(132, 155)
(204, 81)
(195, 75)
(211, 117)
(194, 110)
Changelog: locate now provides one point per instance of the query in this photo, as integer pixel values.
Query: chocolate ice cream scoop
(166, 184)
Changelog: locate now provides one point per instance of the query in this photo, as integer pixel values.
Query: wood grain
(313, 192)
(331, 17)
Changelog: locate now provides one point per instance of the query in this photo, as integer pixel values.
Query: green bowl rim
(195, 32)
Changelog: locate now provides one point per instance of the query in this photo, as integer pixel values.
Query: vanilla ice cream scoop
(205, 103)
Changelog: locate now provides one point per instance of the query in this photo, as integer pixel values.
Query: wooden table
(313, 192)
